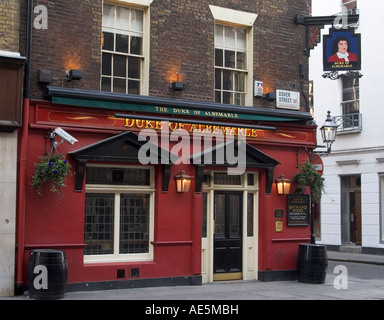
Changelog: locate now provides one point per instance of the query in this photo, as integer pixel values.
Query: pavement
(354, 288)
(356, 257)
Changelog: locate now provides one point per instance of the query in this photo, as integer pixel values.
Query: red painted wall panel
(177, 230)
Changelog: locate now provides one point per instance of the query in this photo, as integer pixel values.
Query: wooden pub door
(227, 260)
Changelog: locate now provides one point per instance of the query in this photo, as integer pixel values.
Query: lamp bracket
(335, 75)
(52, 136)
(322, 153)
(177, 86)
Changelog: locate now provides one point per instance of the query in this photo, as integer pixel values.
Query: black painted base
(282, 275)
(138, 283)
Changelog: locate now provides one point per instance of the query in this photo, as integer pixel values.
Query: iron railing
(349, 122)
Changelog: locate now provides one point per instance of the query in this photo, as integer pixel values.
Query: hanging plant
(309, 176)
(52, 169)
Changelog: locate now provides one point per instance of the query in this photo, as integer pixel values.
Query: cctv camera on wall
(65, 135)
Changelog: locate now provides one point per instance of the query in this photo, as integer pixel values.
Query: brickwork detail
(181, 40)
(9, 25)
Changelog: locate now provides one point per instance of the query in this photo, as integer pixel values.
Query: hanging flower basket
(52, 169)
(308, 176)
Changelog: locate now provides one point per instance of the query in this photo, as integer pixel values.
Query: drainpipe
(28, 50)
(22, 161)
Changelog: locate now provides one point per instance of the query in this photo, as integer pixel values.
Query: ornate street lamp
(328, 131)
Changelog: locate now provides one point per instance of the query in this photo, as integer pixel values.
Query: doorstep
(351, 248)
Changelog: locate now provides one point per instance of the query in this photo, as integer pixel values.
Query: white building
(352, 209)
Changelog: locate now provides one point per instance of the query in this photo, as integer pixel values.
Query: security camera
(65, 136)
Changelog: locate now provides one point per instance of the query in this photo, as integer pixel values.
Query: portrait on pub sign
(342, 50)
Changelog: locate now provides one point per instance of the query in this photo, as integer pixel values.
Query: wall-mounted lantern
(283, 185)
(178, 85)
(74, 74)
(183, 182)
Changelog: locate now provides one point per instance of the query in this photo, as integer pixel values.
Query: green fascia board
(103, 104)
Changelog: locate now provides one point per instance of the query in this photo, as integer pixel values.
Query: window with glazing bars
(117, 222)
(122, 49)
(351, 96)
(230, 64)
(134, 223)
(99, 223)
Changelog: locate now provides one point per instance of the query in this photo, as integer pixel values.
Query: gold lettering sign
(191, 112)
(100, 120)
(158, 125)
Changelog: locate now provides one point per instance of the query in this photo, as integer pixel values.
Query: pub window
(250, 213)
(122, 49)
(118, 214)
(204, 215)
(222, 178)
(231, 67)
(251, 179)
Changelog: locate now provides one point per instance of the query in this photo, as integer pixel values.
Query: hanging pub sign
(298, 210)
(342, 50)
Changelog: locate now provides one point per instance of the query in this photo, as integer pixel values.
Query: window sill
(108, 259)
(349, 131)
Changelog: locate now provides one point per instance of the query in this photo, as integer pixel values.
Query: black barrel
(47, 274)
(312, 263)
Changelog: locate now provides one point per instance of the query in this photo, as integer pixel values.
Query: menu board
(298, 210)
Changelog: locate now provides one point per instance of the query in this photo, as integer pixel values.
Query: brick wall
(71, 41)
(9, 25)
(182, 38)
(279, 45)
(183, 35)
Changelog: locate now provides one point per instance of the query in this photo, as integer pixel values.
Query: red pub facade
(122, 219)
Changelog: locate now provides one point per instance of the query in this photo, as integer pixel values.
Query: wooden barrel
(47, 274)
(312, 263)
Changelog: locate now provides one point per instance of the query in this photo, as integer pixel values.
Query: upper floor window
(122, 49)
(351, 95)
(351, 118)
(233, 55)
(230, 64)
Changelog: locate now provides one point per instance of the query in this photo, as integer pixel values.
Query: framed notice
(342, 50)
(279, 213)
(298, 210)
